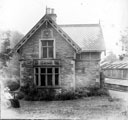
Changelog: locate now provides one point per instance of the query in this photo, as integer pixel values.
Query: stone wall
(81, 72)
(26, 73)
(64, 52)
(87, 69)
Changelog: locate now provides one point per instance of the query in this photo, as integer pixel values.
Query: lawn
(90, 108)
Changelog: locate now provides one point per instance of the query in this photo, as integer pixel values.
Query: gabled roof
(48, 19)
(88, 36)
(82, 37)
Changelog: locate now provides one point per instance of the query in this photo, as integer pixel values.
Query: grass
(90, 108)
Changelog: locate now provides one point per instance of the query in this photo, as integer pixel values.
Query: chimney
(50, 12)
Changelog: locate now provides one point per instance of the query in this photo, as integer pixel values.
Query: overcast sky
(22, 15)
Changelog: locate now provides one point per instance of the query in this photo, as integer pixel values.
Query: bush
(19, 95)
(66, 95)
(81, 92)
(103, 92)
(31, 93)
(46, 94)
(12, 85)
(97, 91)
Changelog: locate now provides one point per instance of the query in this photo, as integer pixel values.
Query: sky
(22, 15)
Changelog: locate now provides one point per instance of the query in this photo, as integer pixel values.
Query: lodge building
(60, 56)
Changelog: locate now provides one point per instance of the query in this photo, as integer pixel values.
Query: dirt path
(92, 108)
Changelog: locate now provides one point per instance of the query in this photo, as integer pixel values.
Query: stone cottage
(60, 56)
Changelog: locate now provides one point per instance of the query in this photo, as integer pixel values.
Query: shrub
(19, 95)
(46, 94)
(29, 91)
(97, 91)
(12, 85)
(81, 92)
(103, 92)
(66, 95)
(34, 94)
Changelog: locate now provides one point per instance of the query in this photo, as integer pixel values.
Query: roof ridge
(79, 25)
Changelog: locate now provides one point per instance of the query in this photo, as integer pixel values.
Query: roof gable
(46, 18)
(88, 36)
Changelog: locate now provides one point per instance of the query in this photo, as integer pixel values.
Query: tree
(15, 38)
(9, 69)
(4, 46)
(124, 41)
(8, 39)
(110, 58)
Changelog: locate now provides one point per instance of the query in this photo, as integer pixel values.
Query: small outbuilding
(116, 70)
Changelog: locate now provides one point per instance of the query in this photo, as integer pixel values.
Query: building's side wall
(87, 69)
(64, 52)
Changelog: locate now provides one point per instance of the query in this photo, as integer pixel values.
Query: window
(125, 74)
(47, 49)
(46, 76)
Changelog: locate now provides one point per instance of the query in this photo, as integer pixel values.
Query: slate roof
(82, 37)
(88, 36)
(115, 65)
(43, 20)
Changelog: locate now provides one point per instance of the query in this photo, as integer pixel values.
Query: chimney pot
(52, 11)
(47, 10)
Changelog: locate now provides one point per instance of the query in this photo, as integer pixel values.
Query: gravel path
(91, 108)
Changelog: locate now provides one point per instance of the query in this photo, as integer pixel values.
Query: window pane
(85, 56)
(36, 77)
(49, 80)
(44, 43)
(44, 52)
(50, 43)
(42, 77)
(51, 52)
(49, 70)
(43, 70)
(124, 73)
(56, 79)
(36, 70)
(56, 70)
(113, 73)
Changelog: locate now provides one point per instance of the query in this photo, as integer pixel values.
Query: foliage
(8, 39)
(66, 95)
(13, 66)
(15, 38)
(30, 92)
(82, 92)
(9, 65)
(19, 95)
(111, 57)
(34, 94)
(4, 47)
(47, 94)
(10, 74)
(12, 85)
(124, 41)
(97, 91)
